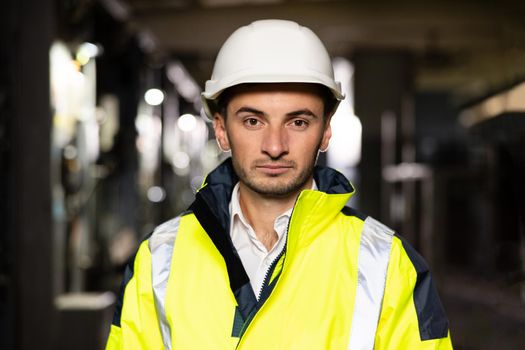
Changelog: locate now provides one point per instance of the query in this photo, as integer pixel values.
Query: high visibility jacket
(343, 281)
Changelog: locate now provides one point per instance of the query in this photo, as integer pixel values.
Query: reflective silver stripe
(374, 254)
(161, 245)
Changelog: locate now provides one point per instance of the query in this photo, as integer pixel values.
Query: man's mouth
(274, 169)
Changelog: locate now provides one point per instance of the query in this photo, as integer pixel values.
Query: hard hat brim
(214, 88)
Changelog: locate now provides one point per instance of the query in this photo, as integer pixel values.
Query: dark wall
(440, 139)
(25, 124)
(383, 83)
(7, 293)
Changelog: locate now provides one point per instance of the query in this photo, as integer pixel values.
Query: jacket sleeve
(135, 324)
(412, 316)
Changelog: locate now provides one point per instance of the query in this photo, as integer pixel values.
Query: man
(268, 256)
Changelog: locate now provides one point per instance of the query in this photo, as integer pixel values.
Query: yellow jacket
(343, 281)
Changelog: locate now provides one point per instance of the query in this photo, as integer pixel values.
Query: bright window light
(345, 145)
(181, 160)
(187, 122)
(86, 51)
(154, 97)
(156, 194)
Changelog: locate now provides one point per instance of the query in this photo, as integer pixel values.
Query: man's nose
(275, 142)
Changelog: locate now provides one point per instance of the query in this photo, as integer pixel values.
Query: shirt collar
(236, 211)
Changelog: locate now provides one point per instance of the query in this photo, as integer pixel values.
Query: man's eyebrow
(299, 112)
(249, 110)
(305, 112)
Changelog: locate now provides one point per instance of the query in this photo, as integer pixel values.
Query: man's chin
(275, 190)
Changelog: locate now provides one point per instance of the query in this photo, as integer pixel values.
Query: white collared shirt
(255, 258)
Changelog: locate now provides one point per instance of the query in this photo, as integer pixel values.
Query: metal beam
(509, 101)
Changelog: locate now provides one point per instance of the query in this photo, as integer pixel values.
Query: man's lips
(274, 169)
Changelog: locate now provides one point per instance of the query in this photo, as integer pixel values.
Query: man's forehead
(249, 93)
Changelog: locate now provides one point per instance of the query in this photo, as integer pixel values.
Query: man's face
(274, 132)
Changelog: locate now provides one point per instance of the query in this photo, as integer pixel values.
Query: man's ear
(327, 134)
(219, 126)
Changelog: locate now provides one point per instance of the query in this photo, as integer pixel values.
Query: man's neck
(261, 211)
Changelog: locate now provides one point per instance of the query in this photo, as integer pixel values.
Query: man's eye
(252, 122)
(300, 123)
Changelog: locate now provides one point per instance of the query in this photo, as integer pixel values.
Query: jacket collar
(218, 187)
(313, 211)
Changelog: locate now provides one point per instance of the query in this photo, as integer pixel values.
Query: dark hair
(221, 104)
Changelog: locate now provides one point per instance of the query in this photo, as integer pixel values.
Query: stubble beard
(269, 188)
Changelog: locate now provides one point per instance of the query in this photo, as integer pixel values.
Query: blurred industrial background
(101, 139)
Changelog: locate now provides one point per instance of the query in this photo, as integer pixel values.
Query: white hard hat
(270, 51)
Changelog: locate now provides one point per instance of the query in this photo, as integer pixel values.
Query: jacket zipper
(271, 268)
(263, 294)
(267, 276)
(266, 284)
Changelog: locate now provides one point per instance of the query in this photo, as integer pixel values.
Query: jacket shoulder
(349, 211)
(408, 265)
(374, 231)
(165, 233)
